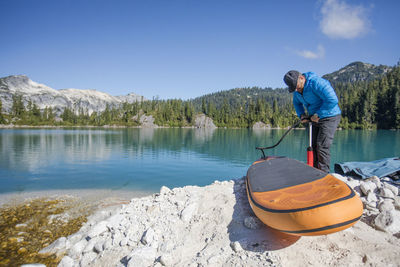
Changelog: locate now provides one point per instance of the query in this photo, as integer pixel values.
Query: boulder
(147, 121)
(387, 193)
(87, 258)
(148, 237)
(114, 221)
(396, 203)
(98, 229)
(394, 189)
(76, 251)
(144, 256)
(99, 246)
(388, 221)
(202, 121)
(74, 238)
(367, 186)
(260, 125)
(90, 245)
(188, 212)
(376, 180)
(167, 260)
(386, 205)
(66, 262)
(164, 190)
(58, 246)
(236, 247)
(371, 197)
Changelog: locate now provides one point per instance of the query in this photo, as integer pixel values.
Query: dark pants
(322, 138)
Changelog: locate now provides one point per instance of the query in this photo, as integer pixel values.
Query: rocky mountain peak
(357, 71)
(44, 96)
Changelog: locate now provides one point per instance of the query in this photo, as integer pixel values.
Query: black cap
(291, 79)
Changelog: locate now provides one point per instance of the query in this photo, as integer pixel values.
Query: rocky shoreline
(215, 226)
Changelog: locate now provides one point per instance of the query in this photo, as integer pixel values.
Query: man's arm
(298, 106)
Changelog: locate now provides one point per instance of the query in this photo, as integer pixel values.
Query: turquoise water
(146, 159)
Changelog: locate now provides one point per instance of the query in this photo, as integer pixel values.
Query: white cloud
(320, 53)
(343, 21)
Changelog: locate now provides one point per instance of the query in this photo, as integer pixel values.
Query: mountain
(354, 72)
(357, 71)
(92, 100)
(44, 96)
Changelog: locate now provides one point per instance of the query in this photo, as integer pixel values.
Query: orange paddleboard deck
(297, 199)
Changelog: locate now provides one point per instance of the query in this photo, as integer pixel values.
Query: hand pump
(310, 153)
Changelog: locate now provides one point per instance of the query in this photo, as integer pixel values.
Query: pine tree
(18, 108)
(2, 120)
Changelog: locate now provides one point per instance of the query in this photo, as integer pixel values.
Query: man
(318, 97)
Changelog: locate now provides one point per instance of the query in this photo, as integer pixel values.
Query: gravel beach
(215, 226)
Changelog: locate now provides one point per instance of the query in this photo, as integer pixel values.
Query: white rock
(74, 238)
(371, 197)
(260, 125)
(167, 245)
(371, 206)
(33, 265)
(188, 212)
(377, 181)
(143, 256)
(57, 246)
(165, 190)
(397, 202)
(108, 244)
(388, 221)
(201, 121)
(214, 260)
(167, 260)
(124, 242)
(64, 217)
(76, 251)
(90, 245)
(98, 229)
(384, 192)
(66, 262)
(236, 246)
(99, 246)
(116, 238)
(21, 225)
(87, 258)
(114, 221)
(392, 188)
(386, 206)
(367, 186)
(353, 183)
(148, 237)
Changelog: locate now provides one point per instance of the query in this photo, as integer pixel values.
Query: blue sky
(184, 49)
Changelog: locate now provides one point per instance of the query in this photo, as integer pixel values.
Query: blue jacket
(318, 97)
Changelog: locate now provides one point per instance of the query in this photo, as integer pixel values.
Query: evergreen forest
(370, 104)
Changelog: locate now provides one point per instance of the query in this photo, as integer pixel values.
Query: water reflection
(153, 157)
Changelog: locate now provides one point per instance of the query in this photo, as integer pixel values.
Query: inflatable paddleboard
(297, 199)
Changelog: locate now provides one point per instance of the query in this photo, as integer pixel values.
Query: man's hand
(304, 118)
(314, 118)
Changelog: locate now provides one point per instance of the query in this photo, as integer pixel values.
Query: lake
(146, 159)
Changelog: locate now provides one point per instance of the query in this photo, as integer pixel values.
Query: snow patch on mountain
(43, 96)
